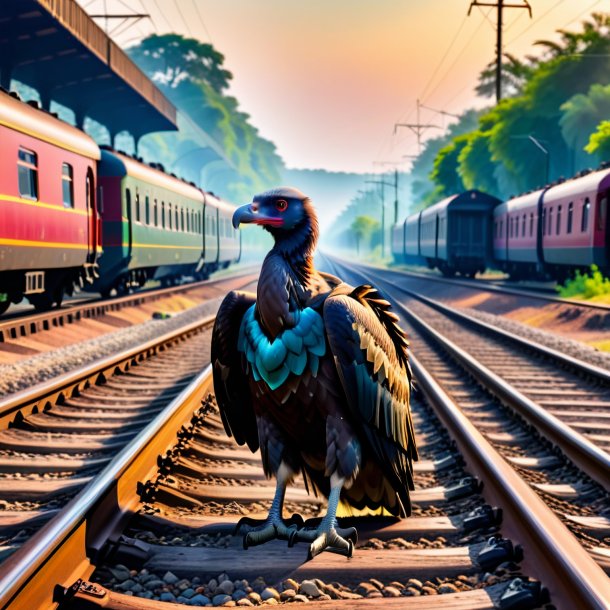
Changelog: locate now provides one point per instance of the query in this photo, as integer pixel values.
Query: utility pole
(500, 6)
(395, 185)
(417, 128)
(383, 183)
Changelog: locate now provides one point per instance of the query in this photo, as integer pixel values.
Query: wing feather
(230, 381)
(370, 353)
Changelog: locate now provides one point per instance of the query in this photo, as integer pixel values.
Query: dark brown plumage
(315, 373)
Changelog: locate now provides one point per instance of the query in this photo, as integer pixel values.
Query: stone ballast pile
(222, 591)
(48, 365)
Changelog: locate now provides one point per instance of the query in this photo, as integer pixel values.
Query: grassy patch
(591, 285)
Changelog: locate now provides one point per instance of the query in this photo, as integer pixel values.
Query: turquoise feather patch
(290, 352)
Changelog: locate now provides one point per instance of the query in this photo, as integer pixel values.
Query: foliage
(192, 76)
(171, 58)
(514, 76)
(423, 189)
(363, 228)
(582, 113)
(445, 173)
(586, 286)
(599, 142)
(557, 100)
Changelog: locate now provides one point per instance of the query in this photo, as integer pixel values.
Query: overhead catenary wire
(201, 20)
(169, 25)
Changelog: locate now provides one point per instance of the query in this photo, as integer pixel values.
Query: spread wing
(230, 382)
(370, 353)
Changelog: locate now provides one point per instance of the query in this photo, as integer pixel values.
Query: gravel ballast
(42, 367)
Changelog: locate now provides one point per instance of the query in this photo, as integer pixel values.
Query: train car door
(217, 235)
(92, 218)
(130, 215)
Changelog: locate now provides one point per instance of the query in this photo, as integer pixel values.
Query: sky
(326, 80)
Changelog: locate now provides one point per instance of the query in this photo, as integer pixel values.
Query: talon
(293, 538)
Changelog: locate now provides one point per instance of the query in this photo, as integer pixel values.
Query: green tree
(192, 76)
(581, 115)
(515, 74)
(445, 173)
(599, 142)
(362, 229)
(172, 58)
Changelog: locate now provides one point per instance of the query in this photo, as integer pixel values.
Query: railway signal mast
(500, 6)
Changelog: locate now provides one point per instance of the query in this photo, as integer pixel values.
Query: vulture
(315, 374)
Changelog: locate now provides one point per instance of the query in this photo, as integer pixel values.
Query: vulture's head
(285, 212)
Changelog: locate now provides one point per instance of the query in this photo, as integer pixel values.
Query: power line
(188, 28)
(169, 25)
(533, 23)
(458, 56)
(438, 66)
(500, 6)
(200, 16)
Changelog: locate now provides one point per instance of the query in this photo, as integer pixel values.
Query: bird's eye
(281, 205)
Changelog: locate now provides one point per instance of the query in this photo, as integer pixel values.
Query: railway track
(503, 288)
(156, 532)
(17, 329)
(55, 437)
(521, 386)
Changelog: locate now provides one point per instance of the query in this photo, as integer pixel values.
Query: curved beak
(244, 214)
(249, 214)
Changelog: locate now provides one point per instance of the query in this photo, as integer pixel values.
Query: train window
(601, 213)
(543, 221)
(558, 226)
(177, 225)
(188, 221)
(147, 210)
(169, 216)
(128, 208)
(182, 218)
(523, 220)
(27, 170)
(137, 207)
(550, 229)
(570, 217)
(531, 224)
(510, 230)
(156, 213)
(67, 185)
(163, 214)
(584, 223)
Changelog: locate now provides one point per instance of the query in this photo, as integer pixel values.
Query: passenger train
(76, 214)
(545, 234)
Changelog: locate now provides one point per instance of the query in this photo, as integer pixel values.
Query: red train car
(516, 239)
(49, 226)
(575, 224)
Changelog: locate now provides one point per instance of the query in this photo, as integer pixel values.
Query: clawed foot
(324, 538)
(263, 530)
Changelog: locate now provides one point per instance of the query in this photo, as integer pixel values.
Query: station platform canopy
(56, 48)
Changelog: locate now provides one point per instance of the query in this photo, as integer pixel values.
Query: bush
(586, 286)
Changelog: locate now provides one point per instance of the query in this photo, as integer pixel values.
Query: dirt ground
(589, 326)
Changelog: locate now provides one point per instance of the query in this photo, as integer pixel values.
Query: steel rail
(24, 325)
(584, 367)
(586, 455)
(552, 552)
(39, 396)
(477, 285)
(64, 550)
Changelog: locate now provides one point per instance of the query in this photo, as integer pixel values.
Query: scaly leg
(327, 537)
(273, 526)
